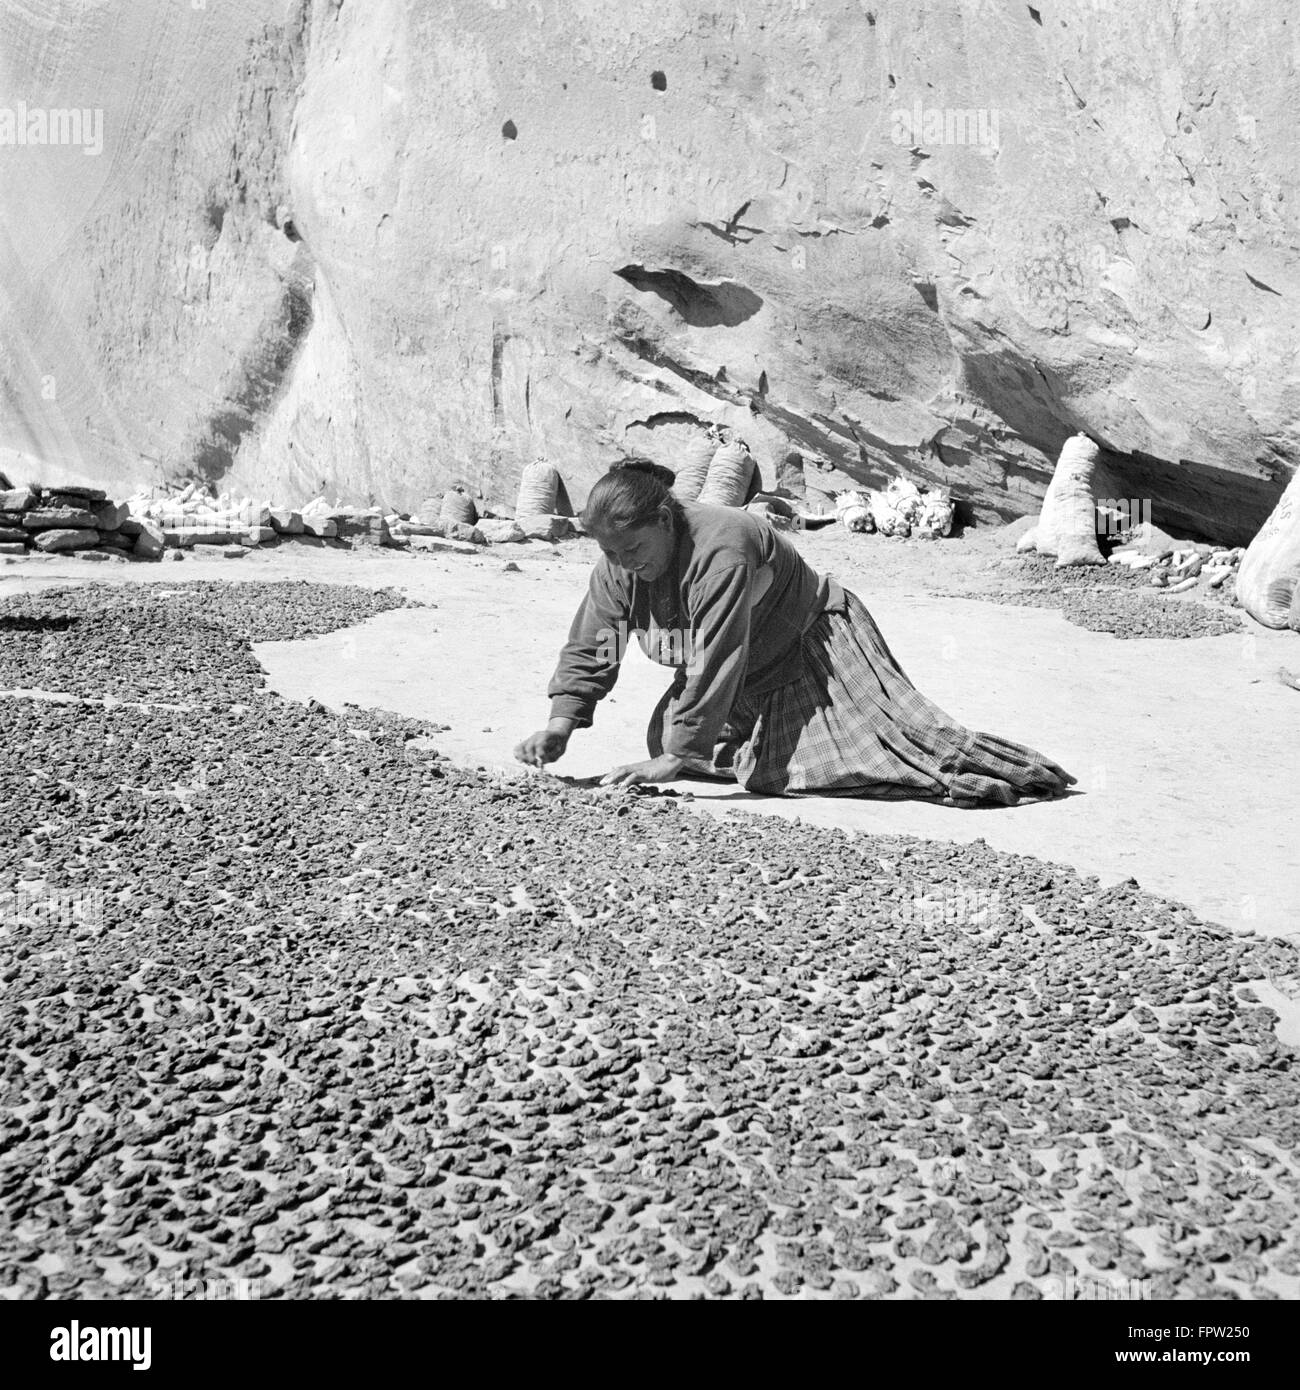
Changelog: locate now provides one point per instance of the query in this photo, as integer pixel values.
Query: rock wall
(372, 249)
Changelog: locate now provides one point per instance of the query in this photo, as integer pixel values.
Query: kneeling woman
(783, 681)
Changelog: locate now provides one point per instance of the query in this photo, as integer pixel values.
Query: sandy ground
(1181, 747)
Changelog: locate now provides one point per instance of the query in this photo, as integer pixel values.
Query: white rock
(442, 543)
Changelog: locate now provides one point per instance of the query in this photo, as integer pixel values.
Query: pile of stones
(293, 1007)
(82, 521)
(458, 517)
(1177, 570)
(74, 520)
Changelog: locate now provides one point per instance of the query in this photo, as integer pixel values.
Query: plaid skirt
(854, 725)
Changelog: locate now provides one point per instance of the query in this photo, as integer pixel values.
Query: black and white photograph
(649, 652)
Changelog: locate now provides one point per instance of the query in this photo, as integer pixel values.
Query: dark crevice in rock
(819, 435)
(865, 458)
(260, 374)
(713, 386)
(499, 341)
(722, 234)
(721, 305)
(1021, 394)
(1188, 496)
(668, 417)
(1260, 285)
(729, 229)
(215, 217)
(734, 221)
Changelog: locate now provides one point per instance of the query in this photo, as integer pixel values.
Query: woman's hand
(661, 769)
(545, 746)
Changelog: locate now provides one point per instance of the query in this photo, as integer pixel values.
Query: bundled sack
(901, 509)
(731, 478)
(897, 509)
(1268, 577)
(539, 488)
(853, 511)
(692, 467)
(1067, 523)
(937, 513)
(458, 505)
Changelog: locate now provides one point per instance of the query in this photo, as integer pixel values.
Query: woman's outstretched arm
(590, 659)
(587, 669)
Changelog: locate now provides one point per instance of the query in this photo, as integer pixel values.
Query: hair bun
(648, 466)
(632, 494)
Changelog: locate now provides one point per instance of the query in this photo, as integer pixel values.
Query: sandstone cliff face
(375, 248)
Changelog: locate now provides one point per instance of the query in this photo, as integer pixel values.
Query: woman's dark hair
(630, 495)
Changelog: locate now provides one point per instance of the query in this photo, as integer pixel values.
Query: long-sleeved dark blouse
(728, 612)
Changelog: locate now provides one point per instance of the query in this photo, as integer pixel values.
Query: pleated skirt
(854, 725)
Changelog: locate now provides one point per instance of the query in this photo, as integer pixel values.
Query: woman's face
(645, 551)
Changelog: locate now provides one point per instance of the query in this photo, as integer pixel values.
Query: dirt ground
(1180, 747)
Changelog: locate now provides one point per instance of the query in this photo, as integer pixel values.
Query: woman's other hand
(545, 746)
(664, 768)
